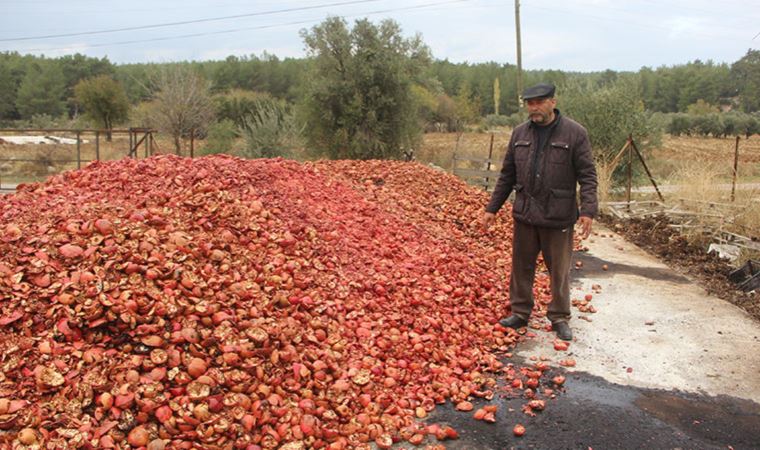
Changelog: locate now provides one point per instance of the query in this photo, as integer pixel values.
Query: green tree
(7, 92)
(358, 102)
(745, 73)
(104, 101)
(610, 114)
(76, 68)
(41, 91)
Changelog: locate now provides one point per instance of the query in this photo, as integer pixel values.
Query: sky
(569, 35)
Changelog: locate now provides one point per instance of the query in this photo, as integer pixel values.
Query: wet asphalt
(593, 413)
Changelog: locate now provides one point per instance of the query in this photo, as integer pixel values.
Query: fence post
(192, 143)
(147, 135)
(79, 149)
(488, 163)
(629, 173)
(130, 144)
(97, 145)
(736, 169)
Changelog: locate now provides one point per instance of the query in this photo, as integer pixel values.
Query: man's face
(541, 110)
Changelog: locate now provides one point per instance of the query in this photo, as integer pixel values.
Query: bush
(493, 121)
(517, 118)
(679, 123)
(221, 137)
(271, 131)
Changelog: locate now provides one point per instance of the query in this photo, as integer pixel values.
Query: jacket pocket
(520, 201)
(559, 153)
(561, 205)
(522, 150)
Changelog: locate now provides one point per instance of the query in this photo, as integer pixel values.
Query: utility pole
(519, 54)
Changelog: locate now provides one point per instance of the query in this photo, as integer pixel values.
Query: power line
(186, 22)
(236, 30)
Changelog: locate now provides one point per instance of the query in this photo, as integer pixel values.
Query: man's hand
(487, 221)
(585, 224)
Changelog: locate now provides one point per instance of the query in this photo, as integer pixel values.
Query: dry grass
(439, 148)
(677, 152)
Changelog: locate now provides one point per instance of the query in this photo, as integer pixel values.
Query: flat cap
(538, 91)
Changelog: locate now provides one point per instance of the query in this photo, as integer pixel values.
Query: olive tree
(358, 100)
(104, 100)
(610, 114)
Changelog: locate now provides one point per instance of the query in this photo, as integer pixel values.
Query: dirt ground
(654, 235)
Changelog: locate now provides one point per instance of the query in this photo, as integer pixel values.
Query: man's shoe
(513, 322)
(563, 331)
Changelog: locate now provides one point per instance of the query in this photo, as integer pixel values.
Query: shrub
(271, 131)
(494, 120)
(221, 137)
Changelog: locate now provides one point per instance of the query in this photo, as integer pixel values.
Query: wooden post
(629, 174)
(519, 54)
(192, 143)
(79, 149)
(147, 135)
(130, 142)
(456, 150)
(736, 169)
(488, 163)
(646, 168)
(97, 145)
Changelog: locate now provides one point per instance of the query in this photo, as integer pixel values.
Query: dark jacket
(545, 192)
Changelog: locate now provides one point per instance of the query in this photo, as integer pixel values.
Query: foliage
(672, 89)
(104, 100)
(494, 120)
(713, 124)
(270, 131)
(610, 114)
(745, 74)
(237, 104)
(426, 102)
(221, 137)
(701, 107)
(78, 67)
(7, 92)
(358, 102)
(41, 91)
(181, 102)
(265, 73)
(496, 95)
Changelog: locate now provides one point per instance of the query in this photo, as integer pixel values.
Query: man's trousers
(556, 244)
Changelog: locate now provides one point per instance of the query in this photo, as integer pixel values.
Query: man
(547, 157)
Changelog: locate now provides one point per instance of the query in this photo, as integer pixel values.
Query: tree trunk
(109, 127)
(177, 146)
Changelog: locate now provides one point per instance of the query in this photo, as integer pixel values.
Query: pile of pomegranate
(226, 303)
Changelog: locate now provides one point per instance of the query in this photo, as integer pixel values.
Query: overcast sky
(575, 35)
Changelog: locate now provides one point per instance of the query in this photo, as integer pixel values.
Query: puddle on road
(720, 418)
(593, 412)
(592, 267)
